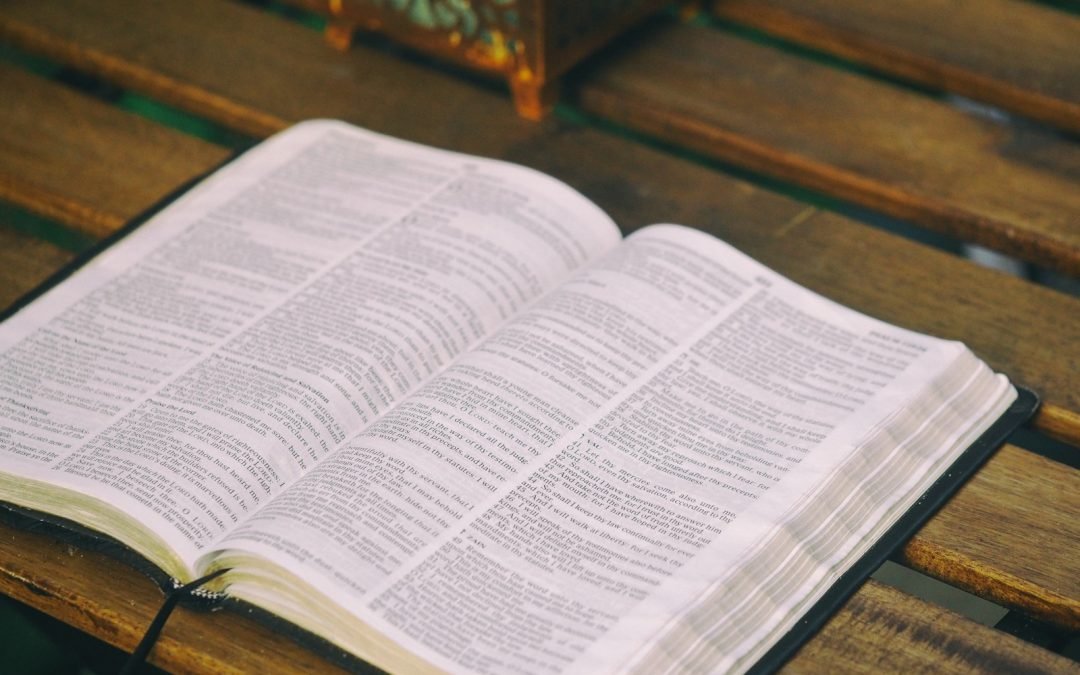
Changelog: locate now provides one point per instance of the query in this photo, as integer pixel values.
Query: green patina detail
(472, 19)
(182, 121)
(29, 62)
(301, 16)
(43, 228)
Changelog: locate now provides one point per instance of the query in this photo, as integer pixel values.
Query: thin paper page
(625, 524)
(481, 424)
(226, 347)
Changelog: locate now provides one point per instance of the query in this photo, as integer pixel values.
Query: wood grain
(1017, 55)
(1022, 503)
(164, 49)
(94, 174)
(1012, 189)
(922, 638)
(878, 628)
(25, 262)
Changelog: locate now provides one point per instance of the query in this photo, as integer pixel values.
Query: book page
(598, 486)
(220, 351)
(484, 423)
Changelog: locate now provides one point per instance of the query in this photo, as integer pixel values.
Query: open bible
(435, 410)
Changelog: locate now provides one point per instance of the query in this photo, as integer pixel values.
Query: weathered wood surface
(922, 636)
(879, 629)
(1021, 512)
(850, 262)
(69, 171)
(1021, 56)
(25, 262)
(164, 49)
(1013, 189)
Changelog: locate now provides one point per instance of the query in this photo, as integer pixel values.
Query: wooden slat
(922, 638)
(1016, 327)
(1016, 190)
(879, 628)
(638, 185)
(25, 262)
(70, 172)
(1010, 53)
(1022, 503)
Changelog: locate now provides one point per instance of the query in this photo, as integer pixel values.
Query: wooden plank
(25, 262)
(638, 185)
(921, 638)
(94, 175)
(1014, 54)
(1016, 190)
(1016, 327)
(99, 595)
(1023, 503)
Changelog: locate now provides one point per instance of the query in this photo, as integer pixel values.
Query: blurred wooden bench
(691, 98)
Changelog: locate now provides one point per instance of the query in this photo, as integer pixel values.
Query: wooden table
(655, 131)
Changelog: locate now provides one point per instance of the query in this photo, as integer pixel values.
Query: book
(436, 411)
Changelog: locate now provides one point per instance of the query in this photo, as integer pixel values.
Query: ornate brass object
(530, 42)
